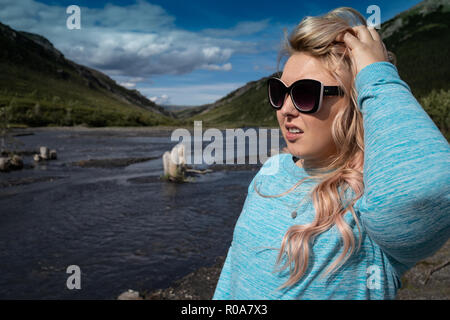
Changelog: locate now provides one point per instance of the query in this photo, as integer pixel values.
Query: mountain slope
(228, 109)
(39, 86)
(420, 39)
(246, 106)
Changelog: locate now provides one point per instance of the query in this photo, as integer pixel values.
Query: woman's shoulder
(274, 165)
(274, 172)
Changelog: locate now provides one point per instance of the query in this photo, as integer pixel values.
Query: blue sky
(176, 52)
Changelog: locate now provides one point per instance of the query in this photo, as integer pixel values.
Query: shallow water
(123, 227)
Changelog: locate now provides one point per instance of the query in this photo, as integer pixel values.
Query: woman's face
(315, 144)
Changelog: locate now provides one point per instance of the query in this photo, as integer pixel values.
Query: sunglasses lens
(306, 95)
(276, 93)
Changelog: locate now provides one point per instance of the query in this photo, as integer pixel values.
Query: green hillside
(40, 87)
(420, 39)
(238, 109)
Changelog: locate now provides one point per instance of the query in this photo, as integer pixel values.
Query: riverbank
(198, 285)
(425, 281)
(155, 130)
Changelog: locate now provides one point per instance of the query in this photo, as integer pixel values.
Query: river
(123, 226)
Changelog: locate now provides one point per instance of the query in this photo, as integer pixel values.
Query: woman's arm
(406, 204)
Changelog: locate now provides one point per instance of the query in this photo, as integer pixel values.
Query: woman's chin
(294, 150)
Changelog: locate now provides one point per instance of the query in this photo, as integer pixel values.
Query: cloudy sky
(176, 52)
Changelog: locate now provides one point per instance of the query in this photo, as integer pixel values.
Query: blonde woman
(362, 194)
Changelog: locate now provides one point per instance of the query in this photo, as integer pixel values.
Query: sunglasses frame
(324, 91)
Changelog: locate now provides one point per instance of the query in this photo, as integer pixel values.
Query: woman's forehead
(303, 66)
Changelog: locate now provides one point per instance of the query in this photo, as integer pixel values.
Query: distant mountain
(420, 39)
(245, 106)
(39, 87)
(177, 108)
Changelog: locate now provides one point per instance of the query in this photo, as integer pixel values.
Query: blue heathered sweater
(404, 213)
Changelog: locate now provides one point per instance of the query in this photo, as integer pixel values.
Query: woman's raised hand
(366, 48)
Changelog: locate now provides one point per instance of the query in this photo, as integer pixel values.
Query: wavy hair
(344, 172)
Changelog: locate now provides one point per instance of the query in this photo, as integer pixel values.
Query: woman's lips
(293, 136)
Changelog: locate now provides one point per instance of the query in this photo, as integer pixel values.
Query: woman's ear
(392, 58)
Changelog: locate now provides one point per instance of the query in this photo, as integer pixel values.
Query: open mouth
(293, 132)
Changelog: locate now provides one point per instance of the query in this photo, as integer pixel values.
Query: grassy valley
(40, 87)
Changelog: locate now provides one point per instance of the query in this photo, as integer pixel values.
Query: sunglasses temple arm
(332, 91)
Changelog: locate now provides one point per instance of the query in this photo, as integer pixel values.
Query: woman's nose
(288, 107)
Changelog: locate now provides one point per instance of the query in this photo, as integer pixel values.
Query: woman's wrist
(375, 73)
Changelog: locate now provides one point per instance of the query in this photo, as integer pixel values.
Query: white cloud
(128, 82)
(141, 16)
(138, 40)
(128, 85)
(161, 100)
(244, 28)
(137, 79)
(195, 94)
(215, 67)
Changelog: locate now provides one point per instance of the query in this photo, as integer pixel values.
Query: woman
(370, 166)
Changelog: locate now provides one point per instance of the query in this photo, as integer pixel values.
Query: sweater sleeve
(405, 208)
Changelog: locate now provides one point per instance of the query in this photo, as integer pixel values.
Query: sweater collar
(292, 168)
(289, 163)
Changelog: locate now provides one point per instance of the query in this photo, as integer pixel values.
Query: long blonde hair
(316, 36)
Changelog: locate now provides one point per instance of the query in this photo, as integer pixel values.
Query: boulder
(130, 295)
(11, 163)
(174, 163)
(16, 162)
(52, 154)
(166, 162)
(45, 154)
(5, 164)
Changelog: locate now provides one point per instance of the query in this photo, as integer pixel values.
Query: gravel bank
(200, 284)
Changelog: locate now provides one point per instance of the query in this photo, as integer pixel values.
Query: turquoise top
(404, 212)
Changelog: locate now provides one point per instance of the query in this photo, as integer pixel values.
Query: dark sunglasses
(306, 94)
